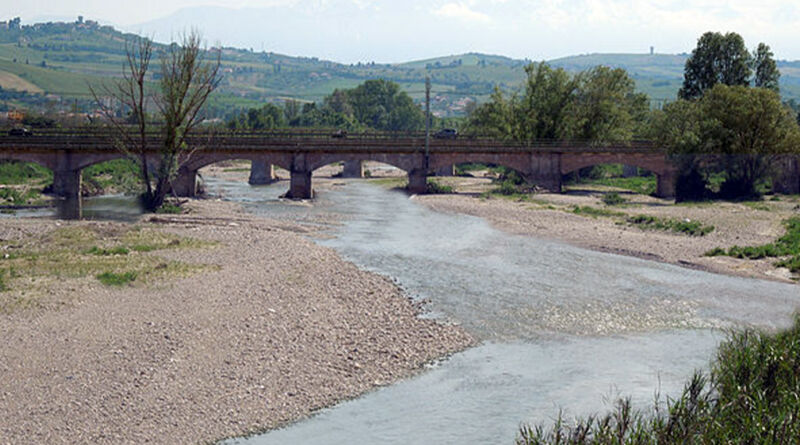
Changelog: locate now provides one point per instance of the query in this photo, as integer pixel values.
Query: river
(559, 328)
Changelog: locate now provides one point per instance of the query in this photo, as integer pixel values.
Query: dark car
(446, 133)
(339, 134)
(20, 132)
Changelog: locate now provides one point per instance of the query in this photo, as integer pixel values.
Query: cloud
(461, 11)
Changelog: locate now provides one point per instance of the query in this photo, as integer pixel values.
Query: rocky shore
(279, 328)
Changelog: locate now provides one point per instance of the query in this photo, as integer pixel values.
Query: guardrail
(316, 139)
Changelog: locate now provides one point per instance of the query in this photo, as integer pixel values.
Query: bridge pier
(787, 175)
(300, 185)
(67, 183)
(185, 184)
(546, 171)
(353, 169)
(417, 181)
(665, 184)
(261, 173)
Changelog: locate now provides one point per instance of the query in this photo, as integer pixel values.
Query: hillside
(43, 65)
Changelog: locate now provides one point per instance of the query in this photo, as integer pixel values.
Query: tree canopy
(723, 58)
(596, 105)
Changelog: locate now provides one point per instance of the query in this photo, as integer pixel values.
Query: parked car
(19, 131)
(339, 134)
(446, 133)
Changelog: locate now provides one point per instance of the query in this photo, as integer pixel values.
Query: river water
(560, 328)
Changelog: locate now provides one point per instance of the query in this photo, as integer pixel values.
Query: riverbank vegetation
(750, 395)
(117, 256)
(786, 247)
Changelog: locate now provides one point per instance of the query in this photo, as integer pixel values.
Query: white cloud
(461, 11)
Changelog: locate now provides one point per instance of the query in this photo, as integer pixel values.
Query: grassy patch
(116, 279)
(120, 175)
(786, 246)
(117, 256)
(236, 170)
(643, 185)
(20, 197)
(613, 199)
(439, 188)
(594, 212)
(749, 396)
(13, 172)
(758, 205)
(391, 183)
(169, 209)
(692, 228)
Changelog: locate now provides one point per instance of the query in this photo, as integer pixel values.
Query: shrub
(613, 199)
(437, 188)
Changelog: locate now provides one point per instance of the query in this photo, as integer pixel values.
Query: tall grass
(786, 246)
(751, 395)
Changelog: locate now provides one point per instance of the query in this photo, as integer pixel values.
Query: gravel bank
(284, 327)
(549, 215)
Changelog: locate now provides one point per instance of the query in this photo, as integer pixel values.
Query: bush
(613, 199)
(436, 188)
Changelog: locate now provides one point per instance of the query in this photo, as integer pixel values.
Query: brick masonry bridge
(543, 163)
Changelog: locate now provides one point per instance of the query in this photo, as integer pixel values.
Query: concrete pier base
(300, 185)
(67, 183)
(417, 181)
(665, 184)
(353, 169)
(261, 173)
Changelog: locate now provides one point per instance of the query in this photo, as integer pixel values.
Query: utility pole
(427, 120)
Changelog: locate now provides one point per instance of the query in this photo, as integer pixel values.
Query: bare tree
(189, 74)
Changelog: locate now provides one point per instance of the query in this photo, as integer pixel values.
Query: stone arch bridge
(542, 163)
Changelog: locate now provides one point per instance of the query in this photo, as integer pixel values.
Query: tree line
(728, 118)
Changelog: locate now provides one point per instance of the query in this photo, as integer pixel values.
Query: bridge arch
(47, 162)
(201, 160)
(656, 163)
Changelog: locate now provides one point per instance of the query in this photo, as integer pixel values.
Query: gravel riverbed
(283, 327)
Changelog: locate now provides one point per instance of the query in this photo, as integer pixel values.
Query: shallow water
(106, 207)
(561, 327)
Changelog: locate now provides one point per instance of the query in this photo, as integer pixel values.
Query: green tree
(748, 128)
(605, 106)
(492, 119)
(264, 118)
(765, 69)
(717, 59)
(380, 104)
(542, 112)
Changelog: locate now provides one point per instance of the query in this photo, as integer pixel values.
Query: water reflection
(123, 208)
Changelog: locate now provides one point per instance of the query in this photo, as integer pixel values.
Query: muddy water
(560, 327)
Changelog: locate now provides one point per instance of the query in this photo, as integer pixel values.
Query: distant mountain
(52, 64)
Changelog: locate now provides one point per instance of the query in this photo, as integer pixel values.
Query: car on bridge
(446, 133)
(19, 131)
(339, 134)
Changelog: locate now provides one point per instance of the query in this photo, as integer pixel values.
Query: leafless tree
(189, 74)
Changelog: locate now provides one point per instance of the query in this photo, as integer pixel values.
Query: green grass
(13, 172)
(116, 279)
(787, 245)
(613, 199)
(437, 187)
(648, 222)
(595, 212)
(751, 395)
(117, 256)
(121, 175)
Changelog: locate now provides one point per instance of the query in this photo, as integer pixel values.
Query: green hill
(57, 61)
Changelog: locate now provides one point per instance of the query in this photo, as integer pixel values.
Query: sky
(394, 31)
